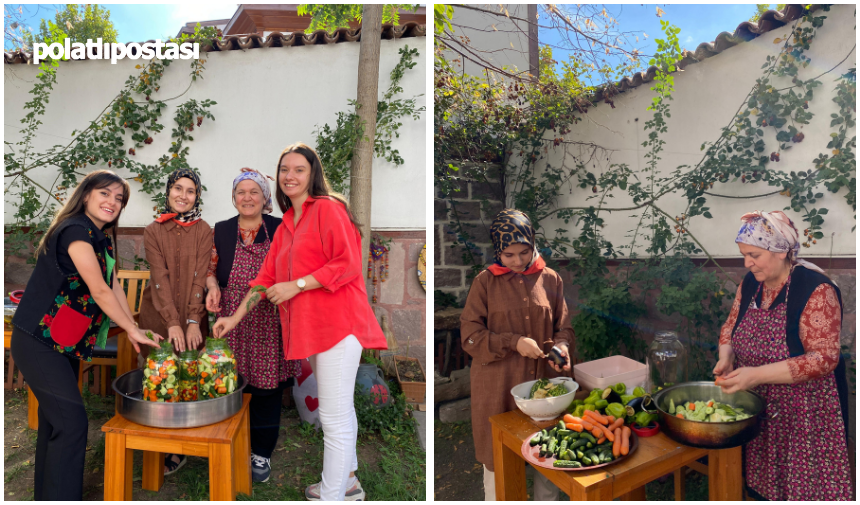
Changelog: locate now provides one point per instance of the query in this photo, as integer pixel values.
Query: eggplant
(644, 404)
(611, 396)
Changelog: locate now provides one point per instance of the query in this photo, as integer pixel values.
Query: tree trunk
(361, 169)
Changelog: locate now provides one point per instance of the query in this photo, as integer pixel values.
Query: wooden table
(655, 457)
(227, 445)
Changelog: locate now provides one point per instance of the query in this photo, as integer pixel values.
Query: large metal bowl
(131, 405)
(544, 409)
(710, 435)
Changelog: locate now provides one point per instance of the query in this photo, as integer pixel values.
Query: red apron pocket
(69, 326)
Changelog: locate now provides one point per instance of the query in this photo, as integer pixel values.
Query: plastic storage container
(667, 362)
(606, 372)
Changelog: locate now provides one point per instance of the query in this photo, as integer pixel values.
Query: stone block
(437, 245)
(440, 210)
(414, 248)
(447, 278)
(17, 272)
(849, 331)
(479, 190)
(454, 255)
(459, 190)
(478, 234)
(391, 291)
(848, 286)
(447, 319)
(491, 209)
(466, 211)
(127, 248)
(457, 411)
(413, 287)
(409, 323)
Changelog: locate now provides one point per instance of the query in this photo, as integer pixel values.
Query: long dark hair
(318, 186)
(75, 204)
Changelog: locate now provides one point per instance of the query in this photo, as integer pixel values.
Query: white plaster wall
(706, 97)
(496, 39)
(266, 98)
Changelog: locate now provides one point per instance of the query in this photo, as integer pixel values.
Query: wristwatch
(301, 284)
(191, 321)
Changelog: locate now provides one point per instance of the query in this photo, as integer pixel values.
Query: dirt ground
(387, 471)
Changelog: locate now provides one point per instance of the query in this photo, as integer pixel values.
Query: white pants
(544, 489)
(335, 371)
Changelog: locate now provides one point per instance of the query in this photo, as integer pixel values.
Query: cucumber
(588, 436)
(579, 443)
(564, 433)
(543, 451)
(589, 445)
(562, 447)
(605, 456)
(553, 445)
(566, 464)
(535, 441)
(560, 426)
(586, 461)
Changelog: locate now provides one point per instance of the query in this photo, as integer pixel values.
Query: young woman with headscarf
(241, 245)
(781, 340)
(178, 248)
(313, 272)
(514, 314)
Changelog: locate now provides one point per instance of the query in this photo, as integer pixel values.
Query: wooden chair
(119, 351)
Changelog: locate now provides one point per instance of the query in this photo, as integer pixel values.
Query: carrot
(222, 389)
(617, 424)
(202, 381)
(606, 432)
(625, 441)
(597, 417)
(601, 440)
(217, 382)
(204, 374)
(610, 418)
(616, 446)
(151, 365)
(574, 426)
(718, 380)
(569, 419)
(691, 406)
(710, 404)
(596, 431)
(587, 425)
(577, 420)
(679, 416)
(170, 391)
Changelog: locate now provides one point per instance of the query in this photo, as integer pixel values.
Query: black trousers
(265, 415)
(62, 440)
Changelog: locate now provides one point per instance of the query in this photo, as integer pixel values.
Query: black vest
(49, 289)
(803, 283)
(225, 236)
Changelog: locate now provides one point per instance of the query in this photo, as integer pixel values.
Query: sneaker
(355, 493)
(260, 468)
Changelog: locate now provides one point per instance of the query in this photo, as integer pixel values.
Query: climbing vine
(520, 125)
(111, 140)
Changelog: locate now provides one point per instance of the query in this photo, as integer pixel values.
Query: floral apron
(256, 340)
(801, 453)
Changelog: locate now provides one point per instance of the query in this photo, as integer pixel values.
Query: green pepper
(616, 409)
(578, 411)
(638, 391)
(590, 406)
(643, 419)
(620, 388)
(577, 403)
(601, 404)
(625, 399)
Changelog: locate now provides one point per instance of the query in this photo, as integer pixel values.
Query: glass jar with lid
(666, 361)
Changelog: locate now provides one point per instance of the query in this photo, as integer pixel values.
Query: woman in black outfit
(66, 310)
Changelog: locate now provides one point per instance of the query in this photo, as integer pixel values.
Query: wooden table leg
(153, 470)
(118, 468)
(32, 410)
(510, 471)
(637, 494)
(222, 482)
(602, 493)
(242, 456)
(725, 475)
(680, 483)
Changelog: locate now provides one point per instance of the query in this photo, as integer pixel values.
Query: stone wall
(401, 297)
(451, 273)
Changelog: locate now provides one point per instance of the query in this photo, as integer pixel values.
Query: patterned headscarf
(184, 218)
(260, 179)
(773, 231)
(512, 227)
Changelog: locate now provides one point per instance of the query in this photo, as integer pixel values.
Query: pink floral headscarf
(772, 231)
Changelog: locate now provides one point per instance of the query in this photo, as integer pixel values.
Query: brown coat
(500, 310)
(179, 259)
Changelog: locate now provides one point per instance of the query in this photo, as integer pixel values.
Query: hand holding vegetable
(726, 361)
(176, 337)
(528, 348)
(144, 337)
(566, 354)
(742, 379)
(223, 326)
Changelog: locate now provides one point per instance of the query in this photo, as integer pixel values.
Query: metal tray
(531, 455)
(131, 405)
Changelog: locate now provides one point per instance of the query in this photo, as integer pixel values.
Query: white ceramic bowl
(544, 409)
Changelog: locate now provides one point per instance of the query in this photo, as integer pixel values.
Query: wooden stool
(227, 445)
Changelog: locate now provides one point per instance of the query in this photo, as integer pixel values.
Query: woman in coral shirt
(782, 341)
(313, 274)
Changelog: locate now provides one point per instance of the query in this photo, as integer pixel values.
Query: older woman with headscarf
(514, 314)
(178, 246)
(241, 245)
(781, 340)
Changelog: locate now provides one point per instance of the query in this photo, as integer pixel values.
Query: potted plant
(410, 377)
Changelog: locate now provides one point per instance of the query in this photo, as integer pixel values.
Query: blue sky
(140, 22)
(698, 23)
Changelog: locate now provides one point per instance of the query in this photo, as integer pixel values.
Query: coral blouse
(327, 245)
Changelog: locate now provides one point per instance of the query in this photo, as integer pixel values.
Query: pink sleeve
(341, 246)
(729, 325)
(820, 325)
(266, 275)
